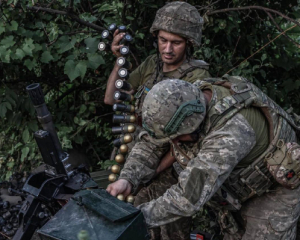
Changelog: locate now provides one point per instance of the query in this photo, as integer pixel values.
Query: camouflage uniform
(184, 20)
(222, 152)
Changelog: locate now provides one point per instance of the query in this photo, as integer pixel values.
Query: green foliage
(61, 54)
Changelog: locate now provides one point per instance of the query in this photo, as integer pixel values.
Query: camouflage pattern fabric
(284, 164)
(221, 150)
(157, 102)
(177, 230)
(180, 18)
(143, 161)
(272, 216)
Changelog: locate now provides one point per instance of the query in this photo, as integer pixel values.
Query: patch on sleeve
(195, 185)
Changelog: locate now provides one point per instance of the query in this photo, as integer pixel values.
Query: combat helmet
(179, 18)
(172, 108)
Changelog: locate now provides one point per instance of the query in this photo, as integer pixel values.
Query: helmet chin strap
(175, 146)
(189, 50)
(157, 66)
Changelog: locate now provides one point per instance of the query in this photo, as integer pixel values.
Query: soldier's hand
(115, 47)
(121, 186)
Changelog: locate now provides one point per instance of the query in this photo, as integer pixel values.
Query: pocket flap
(282, 224)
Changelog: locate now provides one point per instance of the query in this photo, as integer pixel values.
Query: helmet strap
(189, 50)
(157, 65)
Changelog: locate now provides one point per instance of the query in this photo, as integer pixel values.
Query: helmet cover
(165, 106)
(179, 18)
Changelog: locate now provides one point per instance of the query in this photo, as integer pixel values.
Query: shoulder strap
(184, 69)
(189, 66)
(245, 94)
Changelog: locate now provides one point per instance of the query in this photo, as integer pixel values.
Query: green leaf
(46, 57)
(13, 26)
(73, 71)
(11, 94)
(91, 44)
(3, 110)
(19, 54)
(8, 41)
(7, 105)
(264, 57)
(82, 109)
(79, 121)
(70, 70)
(95, 60)
(222, 24)
(81, 68)
(76, 120)
(10, 99)
(19, 144)
(25, 152)
(106, 7)
(30, 64)
(52, 30)
(28, 46)
(263, 73)
(65, 44)
(37, 47)
(5, 54)
(7, 175)
(10, 165)
(25, 135)
(237, 72)
(88, 17)
(140, 35)
(33, 126)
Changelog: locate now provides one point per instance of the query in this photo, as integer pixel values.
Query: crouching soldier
(221, 142)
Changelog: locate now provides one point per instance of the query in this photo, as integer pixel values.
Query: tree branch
(49, 5)
(253, 7)
(262, 48)
(209, 6)
(69, 91)
(51, 81)
(69, 14)
(281, 30)
(77, 32)
(66, 93)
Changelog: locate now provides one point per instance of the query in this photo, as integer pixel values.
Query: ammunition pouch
(227, 222)
(250, 181)
(284, 164)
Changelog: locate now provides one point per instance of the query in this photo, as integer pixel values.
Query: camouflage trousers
(178, 230)
(272, 216)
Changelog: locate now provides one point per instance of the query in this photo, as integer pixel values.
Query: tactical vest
(256, 178)
(184, 70)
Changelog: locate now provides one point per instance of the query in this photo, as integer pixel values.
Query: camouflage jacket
(219, 152)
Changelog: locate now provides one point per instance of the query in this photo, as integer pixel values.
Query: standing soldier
(178, 28)
(235, 149)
